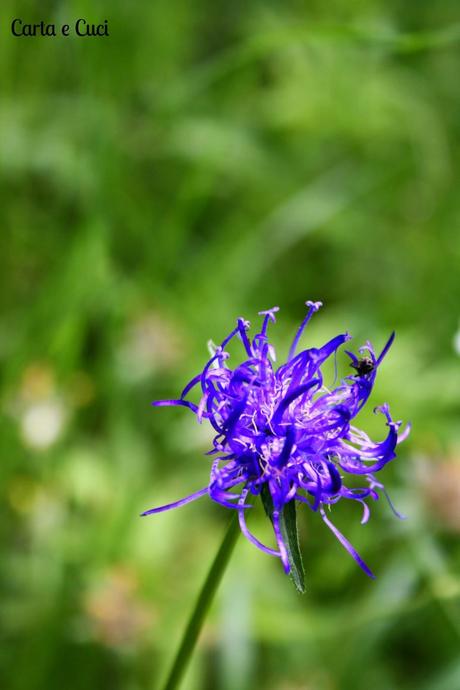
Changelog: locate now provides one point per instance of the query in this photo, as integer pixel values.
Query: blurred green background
(206, 161)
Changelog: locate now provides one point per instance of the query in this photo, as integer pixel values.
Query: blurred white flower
(42, 423)
(456, 341)
(40, 409)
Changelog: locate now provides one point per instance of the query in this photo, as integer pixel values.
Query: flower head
(282, 433)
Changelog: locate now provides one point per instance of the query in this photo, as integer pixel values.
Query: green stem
(202, 605)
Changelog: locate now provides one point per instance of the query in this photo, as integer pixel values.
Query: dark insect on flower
(283, 434)
(363, 365)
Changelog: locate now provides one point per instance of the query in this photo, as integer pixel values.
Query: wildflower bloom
(282, 431)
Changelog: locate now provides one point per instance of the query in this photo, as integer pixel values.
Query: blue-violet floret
(283, 429)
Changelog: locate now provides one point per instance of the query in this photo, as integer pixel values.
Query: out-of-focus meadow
(206, 161)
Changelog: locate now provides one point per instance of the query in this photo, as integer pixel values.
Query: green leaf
(288, 527)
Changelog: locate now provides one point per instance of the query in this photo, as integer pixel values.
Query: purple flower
(283, 434)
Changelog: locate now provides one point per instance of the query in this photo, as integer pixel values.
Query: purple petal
(386, 348)
(191, 384)
(346, 544)
(177, 504)
(181, 403)
(281, 545)
(249, 536)
(296, 393)
(313, 306)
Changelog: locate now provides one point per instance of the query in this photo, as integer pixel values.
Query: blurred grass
(204, 162)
